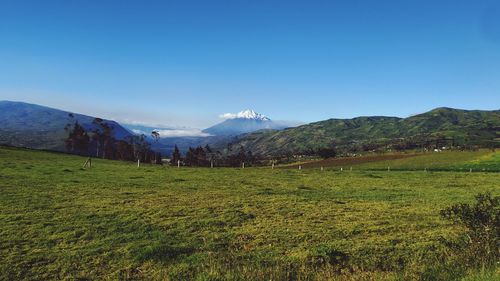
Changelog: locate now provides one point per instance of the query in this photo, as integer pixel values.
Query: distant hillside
(40, 127)
(441, 125)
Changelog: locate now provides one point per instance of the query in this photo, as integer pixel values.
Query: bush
(479, 245)
(327, 152)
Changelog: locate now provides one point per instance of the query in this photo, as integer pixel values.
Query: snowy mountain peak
(245, 114)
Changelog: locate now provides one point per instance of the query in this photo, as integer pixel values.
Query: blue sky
(186, 62)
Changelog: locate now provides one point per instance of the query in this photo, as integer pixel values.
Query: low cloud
(138, 132)
(228, 116)
(174, 133)
(182, 133)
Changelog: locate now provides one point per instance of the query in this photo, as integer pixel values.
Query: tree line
(101, 143)
(207, 157)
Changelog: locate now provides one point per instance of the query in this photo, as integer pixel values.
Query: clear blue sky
(186, 62)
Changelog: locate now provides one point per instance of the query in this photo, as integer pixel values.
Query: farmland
(481, 160)
(117, 221)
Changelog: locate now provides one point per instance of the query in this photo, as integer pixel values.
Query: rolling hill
(39, 127)
(439, 126)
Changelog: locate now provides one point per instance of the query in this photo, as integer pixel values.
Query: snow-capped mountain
(242, 122)
(245, 114)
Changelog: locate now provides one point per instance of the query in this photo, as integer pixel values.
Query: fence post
(88, 163)
(178, 164)
(138, 163)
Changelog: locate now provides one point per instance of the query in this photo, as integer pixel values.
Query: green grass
(488, 162)
(483, 276)
(117, 221)
(482, 160)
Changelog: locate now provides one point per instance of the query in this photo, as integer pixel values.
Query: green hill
(436, 128)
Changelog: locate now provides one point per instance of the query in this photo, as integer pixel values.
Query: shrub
(480, 243)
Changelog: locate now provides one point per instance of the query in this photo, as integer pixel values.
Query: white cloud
(182, 133)
(173, 133)
(146, 124)
(138, 132)
(228, 116)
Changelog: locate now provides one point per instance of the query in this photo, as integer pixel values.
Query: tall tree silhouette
(156, 136)
(176, 156)
(140, 147)
(77, 140)
(103, 136)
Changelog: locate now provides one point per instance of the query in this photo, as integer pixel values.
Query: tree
(156, 136)
(327, 152)
(103, 136)
(201, 157)
(208, 148)
(190, 159)
(124, 151)
(77, 140)
(140, 147)
(211, 155)
(176, 156)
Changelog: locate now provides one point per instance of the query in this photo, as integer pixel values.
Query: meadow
(484, 160)
(116, 221)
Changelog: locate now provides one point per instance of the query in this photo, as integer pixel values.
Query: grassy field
(117, 221)
(481, 160)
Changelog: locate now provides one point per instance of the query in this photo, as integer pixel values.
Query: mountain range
(447, 125)
(40, 127)
(219, 135)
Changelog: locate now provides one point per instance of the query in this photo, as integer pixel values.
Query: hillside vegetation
(436, 128)
(116, 221)
(39, 127)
